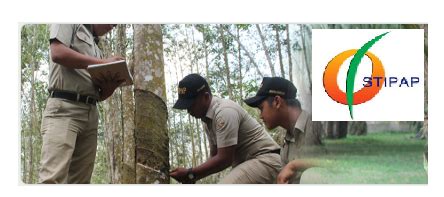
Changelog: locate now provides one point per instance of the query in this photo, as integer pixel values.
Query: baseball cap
(272, 86)
(188, 89)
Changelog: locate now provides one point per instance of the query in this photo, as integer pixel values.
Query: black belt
(73, 97)
(277, 151)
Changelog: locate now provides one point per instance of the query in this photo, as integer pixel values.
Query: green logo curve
(353, 68)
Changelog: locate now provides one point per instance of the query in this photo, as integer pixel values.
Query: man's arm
(220, 161)
(67, 57)
(213, 150)
(290, 169)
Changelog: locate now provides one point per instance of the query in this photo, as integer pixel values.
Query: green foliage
(34, 57)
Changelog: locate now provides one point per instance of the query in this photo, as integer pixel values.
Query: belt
(277, 151)
(73, 97)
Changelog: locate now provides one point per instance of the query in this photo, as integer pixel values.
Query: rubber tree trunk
(151, 133)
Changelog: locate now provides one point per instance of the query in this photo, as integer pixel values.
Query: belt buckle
(87, 99)
(93, 100)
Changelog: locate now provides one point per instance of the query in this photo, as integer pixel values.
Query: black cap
(272, 86)
(188, 89)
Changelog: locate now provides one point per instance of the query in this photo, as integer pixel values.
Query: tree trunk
(189, 50)
(239, 59)
(32, 127)
(183, 154)
(307, 61)
(336, 129)
(195, 54)
(23, 156)
(247, 53)
(207, 74)
(193, 144)
(266, 51)
(278, 40)
(206, 146)
(151, 135)
(227, 67)
(128, 164)
(357, 128)
(290, 65)
(113, 125)
(199, 140)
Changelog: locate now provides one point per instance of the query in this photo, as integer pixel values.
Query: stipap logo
(331, 72)
(367, 75)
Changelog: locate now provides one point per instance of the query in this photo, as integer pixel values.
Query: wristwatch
(190, 174)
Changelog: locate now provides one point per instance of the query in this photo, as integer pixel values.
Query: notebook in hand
(117, 69)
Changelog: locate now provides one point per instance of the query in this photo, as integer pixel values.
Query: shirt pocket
(84, 37)
(84, 42)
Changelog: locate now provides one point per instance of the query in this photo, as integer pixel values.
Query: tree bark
(207, 74)
(239, 59)
(199, 140)
(193, 144)
(290, 65)
(336, 129)
(278, 40)
(227, 67)
(113, 124)
(151, 135)
(128, 165)
(247, 53)
(357, 128)
(266, 51)
(32, 126)
(307, 60)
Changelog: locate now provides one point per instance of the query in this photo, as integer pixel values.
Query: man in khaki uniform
(236, 139)
(276, 99)
(70, 120)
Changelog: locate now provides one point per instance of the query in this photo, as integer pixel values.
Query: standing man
(236, 139)
(70, 120)
(276, 99)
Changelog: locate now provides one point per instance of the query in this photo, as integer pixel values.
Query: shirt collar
(211, 108)
(302, 121)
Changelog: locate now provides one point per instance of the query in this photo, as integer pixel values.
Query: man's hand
(113, 59)
(285, 175)
(290, 169)
(181, 175)
(70, 58)
(107, 85)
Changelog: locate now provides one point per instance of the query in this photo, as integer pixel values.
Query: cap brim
(183, 103)
(254, 101)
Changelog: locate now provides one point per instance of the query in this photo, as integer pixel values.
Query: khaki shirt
(227, 124)
(79, 38)
(298, 142)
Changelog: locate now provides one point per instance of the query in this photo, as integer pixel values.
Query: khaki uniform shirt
(227, 124)
(79, 38)
(297, 143)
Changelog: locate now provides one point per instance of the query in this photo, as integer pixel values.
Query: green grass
(382, 158)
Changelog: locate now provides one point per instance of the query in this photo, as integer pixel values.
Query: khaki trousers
(262, 169)
(69, 132)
